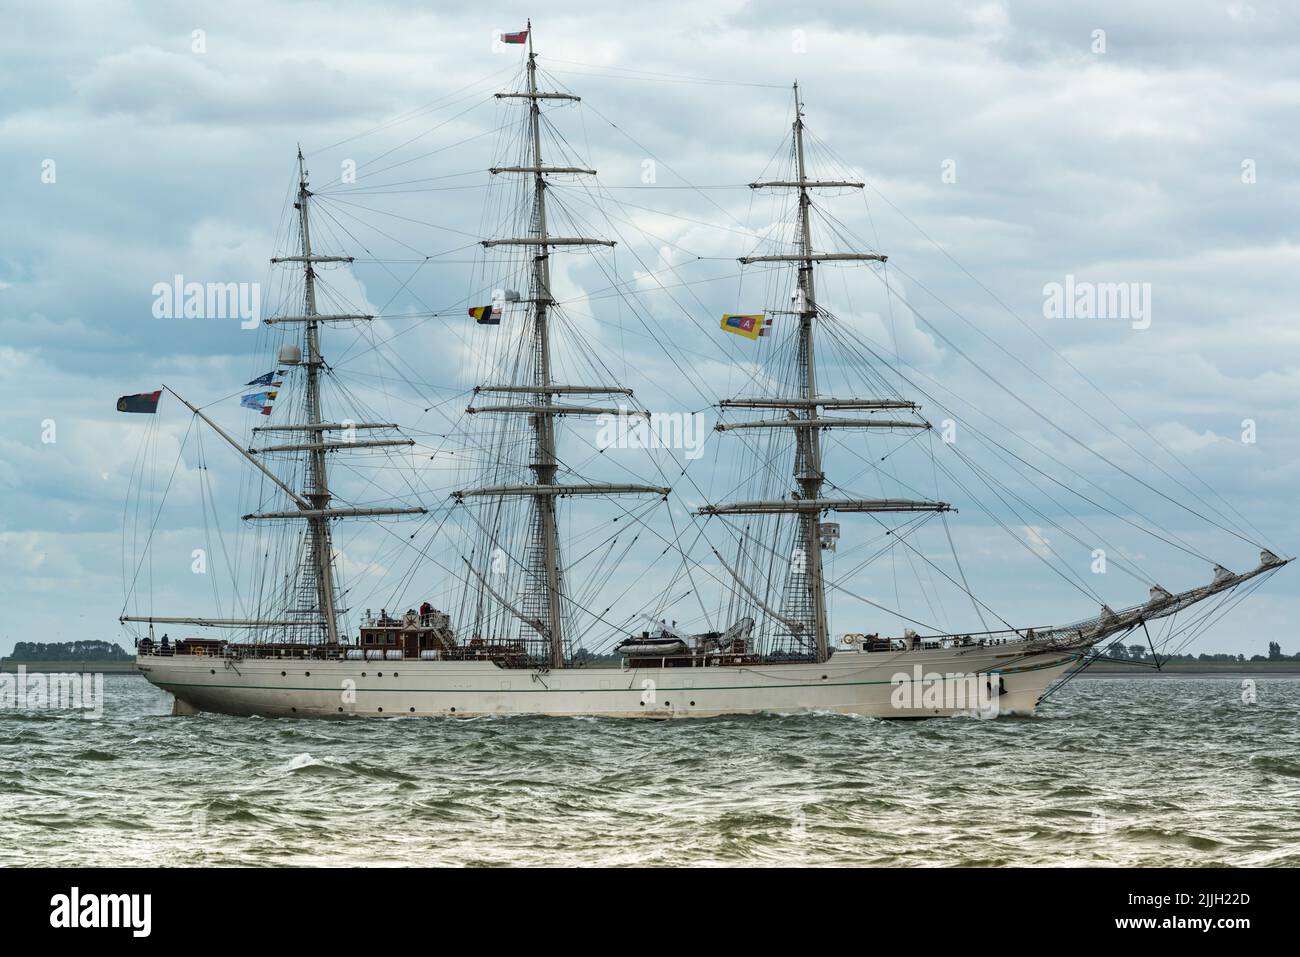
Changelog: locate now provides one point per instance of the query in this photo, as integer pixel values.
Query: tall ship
(514, 632)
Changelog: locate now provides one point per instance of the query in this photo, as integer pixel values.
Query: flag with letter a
(751, 327)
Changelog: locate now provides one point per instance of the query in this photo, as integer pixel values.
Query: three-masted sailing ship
(512, 650)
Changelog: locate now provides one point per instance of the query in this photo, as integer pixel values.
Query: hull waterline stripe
(497, 691)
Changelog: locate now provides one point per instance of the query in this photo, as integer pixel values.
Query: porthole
(294, 710)
(823, 677)
(381, 710)
(394, 674)
(363, 674)
(283, 674)
(643, 704)
(453, 710)
(307, 673)
(379, 674)
(668, 704)
(212, 671)
(692, 704)
(413, 711)
(340, 707)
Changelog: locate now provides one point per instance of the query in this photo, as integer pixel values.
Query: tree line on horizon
(69, 651)
(1122, 652)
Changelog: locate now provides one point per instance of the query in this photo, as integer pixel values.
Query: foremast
(543, 608)
(805, 610)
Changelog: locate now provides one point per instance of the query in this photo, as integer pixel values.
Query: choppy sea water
(1117, 772)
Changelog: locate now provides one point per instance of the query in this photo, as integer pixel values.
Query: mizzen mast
(316, 610)
(320, 550)
(314, 502)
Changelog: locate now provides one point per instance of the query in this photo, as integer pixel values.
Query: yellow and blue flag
(751, 326)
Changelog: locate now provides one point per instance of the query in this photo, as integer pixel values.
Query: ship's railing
(429, 619)
(915, 642)
(331, 653)
(628, 663)
(306, 652)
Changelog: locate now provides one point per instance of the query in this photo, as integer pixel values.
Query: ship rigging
(501, 510)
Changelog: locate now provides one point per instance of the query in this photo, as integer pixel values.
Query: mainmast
(806, 613)
(544, 603)
(544, 423)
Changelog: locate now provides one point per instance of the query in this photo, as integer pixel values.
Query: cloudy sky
(1006, 147)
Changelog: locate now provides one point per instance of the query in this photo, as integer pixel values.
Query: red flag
(520, 37)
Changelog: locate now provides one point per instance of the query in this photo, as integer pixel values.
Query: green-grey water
(1123, 772)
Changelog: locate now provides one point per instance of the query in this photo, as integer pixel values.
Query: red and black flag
(520, 37)
(143, 402)
(486, 315)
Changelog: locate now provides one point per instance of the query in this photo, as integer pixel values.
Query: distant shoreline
(1170, 673)
(70, 667)
(1192, 669)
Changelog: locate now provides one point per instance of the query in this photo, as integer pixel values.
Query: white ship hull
(850, 682)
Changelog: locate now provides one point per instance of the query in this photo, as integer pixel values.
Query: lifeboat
(646, 647)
